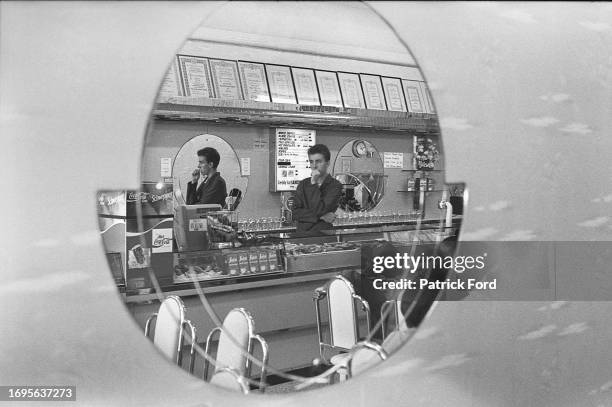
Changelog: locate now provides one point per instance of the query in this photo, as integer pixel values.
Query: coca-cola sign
(144, 197)
(161, 240)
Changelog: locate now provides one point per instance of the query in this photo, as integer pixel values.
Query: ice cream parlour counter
(273, 275)
(253, 259)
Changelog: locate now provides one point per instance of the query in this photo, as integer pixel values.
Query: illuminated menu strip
(225, 79)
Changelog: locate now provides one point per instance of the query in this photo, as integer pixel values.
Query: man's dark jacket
(211, 191)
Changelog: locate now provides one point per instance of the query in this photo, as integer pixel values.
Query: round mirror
(359, 168)
(186, 163)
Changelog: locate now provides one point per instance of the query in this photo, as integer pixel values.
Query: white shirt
(201, 180)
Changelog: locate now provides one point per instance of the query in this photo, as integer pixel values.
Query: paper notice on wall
(393, 160)
(260, 142)
(166, 167)
(245, 166)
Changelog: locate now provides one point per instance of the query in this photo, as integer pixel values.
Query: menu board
(414, 98)
(291, 157)
(372, 89)
(351, 90)
(394, 94)
(328, 88)
(195, 76)
(225, 79)
(254, 81)
(305, 86)
(281, 85)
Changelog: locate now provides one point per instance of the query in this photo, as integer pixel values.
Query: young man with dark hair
(206, 185)
(317, 197)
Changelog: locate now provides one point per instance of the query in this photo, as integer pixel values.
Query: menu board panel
(414, 97)
(305, 86)
(195, 76)
(281, 84)
(351, 90)
(372, 90)
(225, 79)
(394, 94)
(328, 88)
(254, 81)
(291, 157)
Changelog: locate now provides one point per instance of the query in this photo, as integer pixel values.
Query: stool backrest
(229, 379)
(342, 315)
(232, 353)
(169, 327)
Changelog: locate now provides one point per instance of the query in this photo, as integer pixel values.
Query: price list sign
(291, 161)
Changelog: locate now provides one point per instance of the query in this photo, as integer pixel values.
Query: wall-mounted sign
(291, 158)
(281, 84)
(161, 240)
(305, 86)
(195, 76)
(245, 166)
(254, 81)
(394, 94)
(414, 97)
(225, 79)
(351, 90)
(166, 167)
(328, 88)
(372, 89)
(393, 160)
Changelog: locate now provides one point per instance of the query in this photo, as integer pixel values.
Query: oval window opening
(293, 149)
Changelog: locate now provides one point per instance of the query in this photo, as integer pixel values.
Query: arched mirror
(186, 164)
(359, 168)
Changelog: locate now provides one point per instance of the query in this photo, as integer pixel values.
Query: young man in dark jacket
(206, 185)
(317, 197)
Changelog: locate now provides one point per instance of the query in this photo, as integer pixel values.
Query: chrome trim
(264, 361)
(366, 308)
(365, 344)
(207, 353)
(148, 323)
(244, 385)
(317, 296)
(193, 334)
